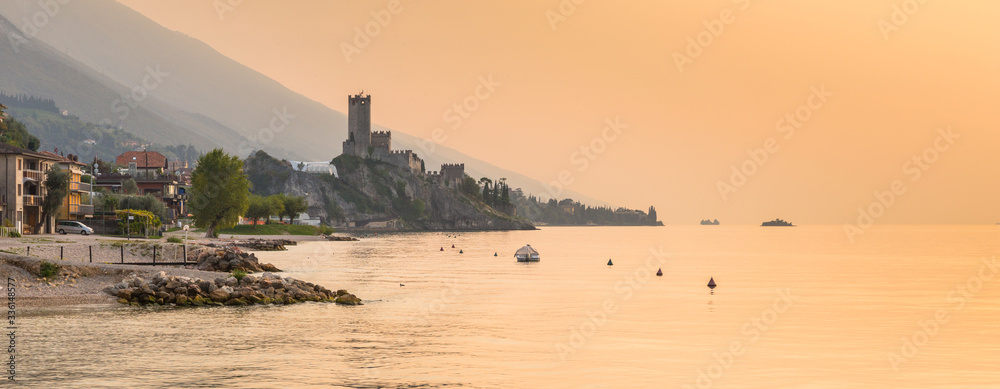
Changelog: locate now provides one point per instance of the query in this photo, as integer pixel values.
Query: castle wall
(452, 173)
(382, 140)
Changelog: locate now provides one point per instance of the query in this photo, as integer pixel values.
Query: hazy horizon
(881, 80)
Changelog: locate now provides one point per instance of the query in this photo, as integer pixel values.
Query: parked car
(72, 227)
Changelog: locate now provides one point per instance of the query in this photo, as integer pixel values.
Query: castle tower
(359, 125)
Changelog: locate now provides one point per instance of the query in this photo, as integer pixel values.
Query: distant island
(708, 222)
(777, 223)
(568, 212)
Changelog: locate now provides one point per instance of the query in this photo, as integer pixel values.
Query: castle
(377, 145)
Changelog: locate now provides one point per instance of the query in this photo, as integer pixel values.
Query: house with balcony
(147, 169)
(22, 186)
(74, 207)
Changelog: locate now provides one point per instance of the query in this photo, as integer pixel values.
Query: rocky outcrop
(341, 238)
(266, 244)
(249, 290)
(227, 259)
(373, 194)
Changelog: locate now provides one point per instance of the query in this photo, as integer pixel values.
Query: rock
(219, 295)
(341, 292)
(269, 267)
(125, 293)
(181, 299)
(348, 299)
(111, 290)
(231, 281)
(205, 285)
(123, 301)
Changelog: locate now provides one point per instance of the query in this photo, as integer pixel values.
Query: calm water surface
(903, 307)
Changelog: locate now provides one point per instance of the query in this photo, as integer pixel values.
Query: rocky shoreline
(75, 283)
(266, 244)
(164, 289)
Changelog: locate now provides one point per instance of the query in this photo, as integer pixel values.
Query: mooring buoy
(452, 246)
(461, 252)
(659, 272)
(711, 283)
(442, 248)
(494, 254)
(610, 263)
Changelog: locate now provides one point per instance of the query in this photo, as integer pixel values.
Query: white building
(315, 167)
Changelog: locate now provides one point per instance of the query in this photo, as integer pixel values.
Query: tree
(470, 187)
(130, 187)
(259, 208)
(294, 205)
(108, 202)
(220, 191)
(275, 206)
(56, 189)
(279, 200)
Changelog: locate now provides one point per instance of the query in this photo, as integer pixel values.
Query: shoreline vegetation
(45, 282)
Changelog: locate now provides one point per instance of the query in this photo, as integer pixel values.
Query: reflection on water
(793, 308)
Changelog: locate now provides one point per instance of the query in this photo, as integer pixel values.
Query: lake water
(803, 307)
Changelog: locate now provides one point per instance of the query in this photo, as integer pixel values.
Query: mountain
(108, 64)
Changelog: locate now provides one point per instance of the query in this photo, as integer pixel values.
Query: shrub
(238, 274)
(326, 230)
(174, 239)
(48, 270)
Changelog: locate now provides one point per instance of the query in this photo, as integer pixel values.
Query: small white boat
(527, 254)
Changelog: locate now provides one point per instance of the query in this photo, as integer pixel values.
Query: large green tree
(294, 205)
(275, 205)
(259, 208)
(220, 191)
(56, 189)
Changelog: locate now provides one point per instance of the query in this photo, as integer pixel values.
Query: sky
(817, 112)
